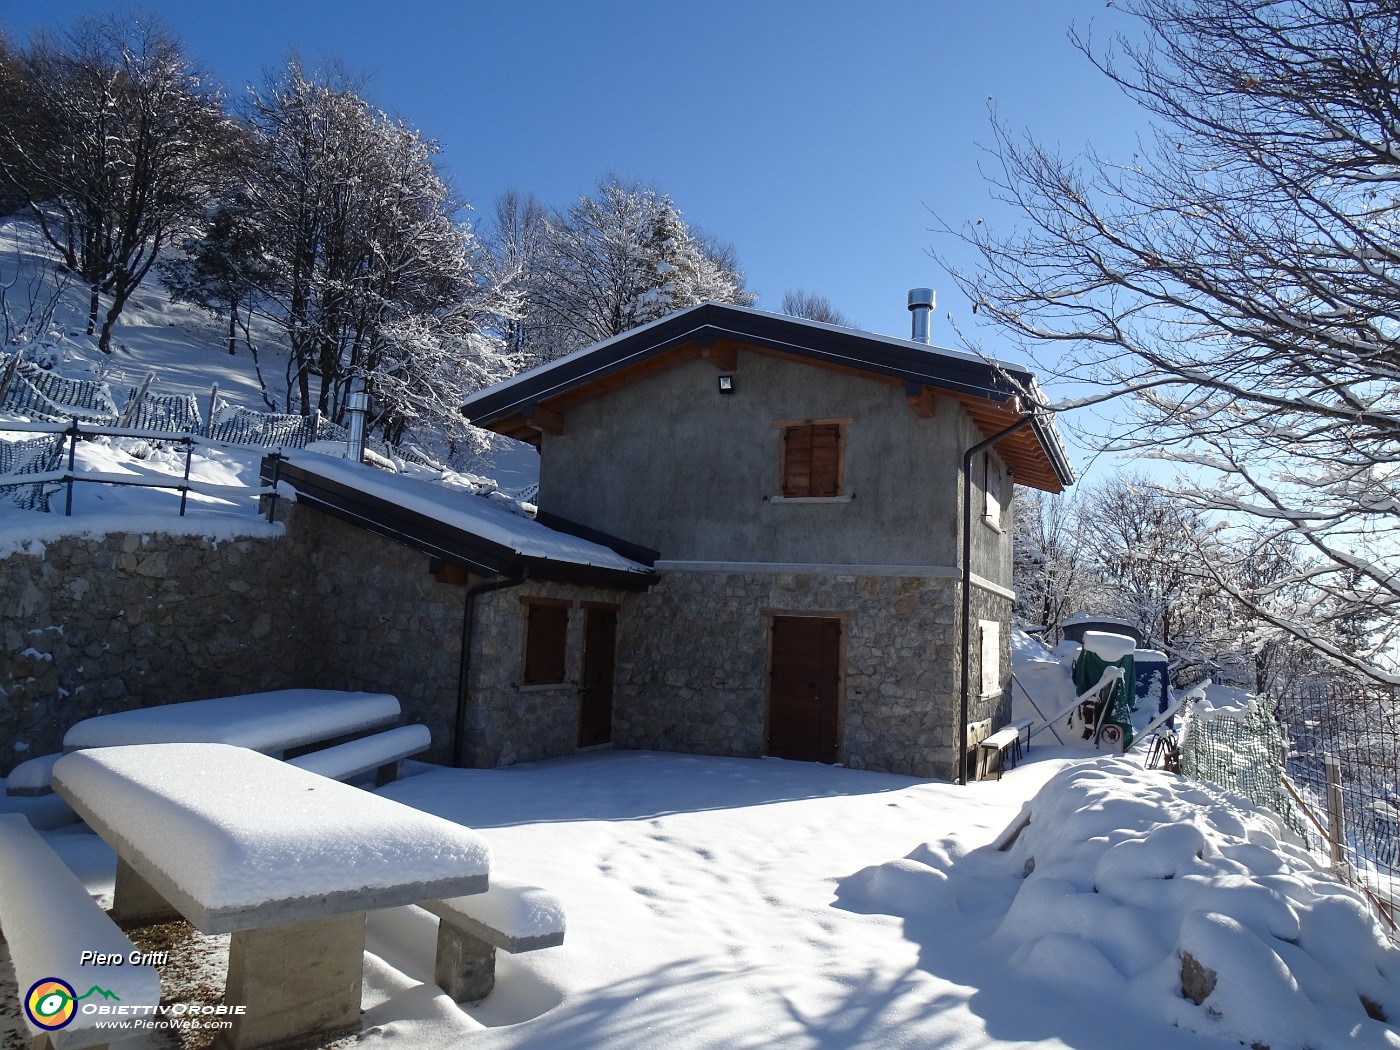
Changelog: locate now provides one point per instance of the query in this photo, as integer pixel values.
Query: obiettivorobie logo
(52, 1003)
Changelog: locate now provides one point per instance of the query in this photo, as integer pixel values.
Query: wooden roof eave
(1024, 452)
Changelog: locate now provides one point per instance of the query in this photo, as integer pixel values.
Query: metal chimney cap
(921, 298)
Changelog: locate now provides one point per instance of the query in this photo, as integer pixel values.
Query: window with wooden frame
(546, 643)
(813, 459)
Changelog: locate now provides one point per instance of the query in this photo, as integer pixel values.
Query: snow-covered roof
(485, 535)
(986, 388)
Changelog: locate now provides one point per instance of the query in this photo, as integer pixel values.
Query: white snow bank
(1220, 701)
(26, 531)
(1043, 677)
(234, 829)
(1127, 872)
(1120, 877)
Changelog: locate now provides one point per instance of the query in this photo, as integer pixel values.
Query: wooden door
(596, 700)
(804, 688)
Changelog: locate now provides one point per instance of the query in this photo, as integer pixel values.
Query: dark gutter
(631, 551)
(961, 743)
(464, 666)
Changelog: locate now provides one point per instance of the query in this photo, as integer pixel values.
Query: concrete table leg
(300, 981)
(135, 902)
(466, 965)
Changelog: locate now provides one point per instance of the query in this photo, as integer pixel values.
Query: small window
(991, 485)
(989, 632)
(546, 639)
(812, 460)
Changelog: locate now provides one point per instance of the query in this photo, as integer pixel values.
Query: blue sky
(815, 136)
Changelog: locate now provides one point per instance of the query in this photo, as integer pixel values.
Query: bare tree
(517, 239)
(113, 139)
(1239, 278)
(1049, 564)
(813, 307)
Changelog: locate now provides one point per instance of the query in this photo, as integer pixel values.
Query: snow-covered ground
(184, 348)
(717, 902)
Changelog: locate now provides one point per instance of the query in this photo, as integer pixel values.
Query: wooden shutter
(826, 459)
(546, 638)
(812, 460)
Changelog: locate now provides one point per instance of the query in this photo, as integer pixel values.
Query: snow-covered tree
(374, 279)
(1239, 276)
(1049, 562)
(613, 260)
(115, 142)
(516, 243)
(223, 268)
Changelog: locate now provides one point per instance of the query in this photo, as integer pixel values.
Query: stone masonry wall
(509, 722)
(378, 619)
(693, 674)
(93, 625)
(90, 625)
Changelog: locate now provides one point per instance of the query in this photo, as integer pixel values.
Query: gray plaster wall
(991, 543)
(671, 463)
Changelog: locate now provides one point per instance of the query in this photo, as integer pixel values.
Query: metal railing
(65, 453)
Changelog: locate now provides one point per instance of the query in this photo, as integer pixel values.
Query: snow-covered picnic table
(287, 861)
(271, 722)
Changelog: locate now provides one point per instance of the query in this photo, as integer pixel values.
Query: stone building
(749, 542)
(797, 492)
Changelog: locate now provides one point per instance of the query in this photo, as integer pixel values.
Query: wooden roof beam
(539, 418)
(921, 399)
(721, 353)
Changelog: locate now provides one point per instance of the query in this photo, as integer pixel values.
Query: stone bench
(287, 862)
(382, 752)
(32, 776)
(510, 916)
(56, 930)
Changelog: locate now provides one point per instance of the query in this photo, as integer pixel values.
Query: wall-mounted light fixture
(726, 384)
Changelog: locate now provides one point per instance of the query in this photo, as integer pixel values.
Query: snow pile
(1220, 701)
(1045, 675)
(1197, 905)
